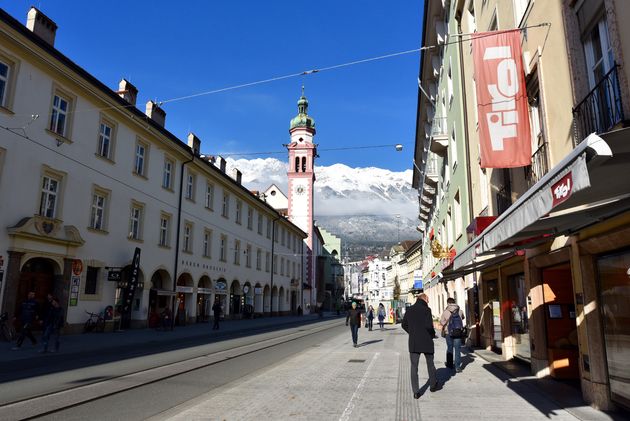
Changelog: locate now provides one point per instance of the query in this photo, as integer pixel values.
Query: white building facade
(92, 178)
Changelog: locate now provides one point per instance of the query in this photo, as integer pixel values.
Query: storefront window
(519, 315)
(614, 282)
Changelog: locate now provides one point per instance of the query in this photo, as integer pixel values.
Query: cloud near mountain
(352, 202)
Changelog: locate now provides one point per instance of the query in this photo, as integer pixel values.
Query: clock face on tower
(299, 190)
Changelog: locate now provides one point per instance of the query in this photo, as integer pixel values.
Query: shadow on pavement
(43, 364)
(369, 342)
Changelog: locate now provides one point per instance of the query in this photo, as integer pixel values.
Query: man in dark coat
(418, 323)
(216, 310)
(354, 318)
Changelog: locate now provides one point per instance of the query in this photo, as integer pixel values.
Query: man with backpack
(453, 330)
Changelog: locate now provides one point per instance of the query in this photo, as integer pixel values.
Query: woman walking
(370, 317)
(381, 315)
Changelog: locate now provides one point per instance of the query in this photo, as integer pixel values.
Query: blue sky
(171, 49)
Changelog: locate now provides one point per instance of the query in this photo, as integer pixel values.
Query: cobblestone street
(336, 381)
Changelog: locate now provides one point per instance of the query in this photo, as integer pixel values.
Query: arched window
(297, 164)
(303, 164)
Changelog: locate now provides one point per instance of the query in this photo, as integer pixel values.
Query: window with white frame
(275, 264)
(293, 270)
(59, 115)
(237, 252)
(599, 52)
(140, 162)
(520, 7)
(190, 186)
(239, 208)
(98, 210)
(449, 86)
(276, 234)
(209, 195)
(135, 221)
(250, 218)
(260, 223)
(165, 230)
(457, 204)
(105, 139)
(282, 266)
(188, 232)
(49, 198)
(269, 227)
(167, 174)
(248, 256)
(284, 235)
(453, 148)
(91, 280)
(5, 75)
(267, 261)
(226, 205)
(449, 227)
(258, 259)
(223, 248)
(207, 243)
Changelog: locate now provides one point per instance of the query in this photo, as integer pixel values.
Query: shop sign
(185, 290)
(77, 267)
(75, 284)
(258, 291)
(204, 290)
(114, 275)
(245, 289)
(562, 190)
(220, 286)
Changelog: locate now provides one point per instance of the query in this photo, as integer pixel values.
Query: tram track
(102, 387)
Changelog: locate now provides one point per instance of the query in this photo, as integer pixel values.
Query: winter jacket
(381, 313)
(354, 316)
(418, 323)
(446, 315)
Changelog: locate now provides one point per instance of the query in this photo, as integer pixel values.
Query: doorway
(38, 276)
(560, 320)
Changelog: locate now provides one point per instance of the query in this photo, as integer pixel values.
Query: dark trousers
(26, 333)
(355, 333)
(48, 332)
(369, 323)
(415, 357)
(215, 326)
(381, 322)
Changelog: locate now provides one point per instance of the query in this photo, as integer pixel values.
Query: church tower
(301, 174)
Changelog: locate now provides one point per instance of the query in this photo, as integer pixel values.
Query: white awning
(590, 184)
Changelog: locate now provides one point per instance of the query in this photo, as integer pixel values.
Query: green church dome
(302, 119)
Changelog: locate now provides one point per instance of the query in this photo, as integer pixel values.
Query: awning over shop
(589, 185)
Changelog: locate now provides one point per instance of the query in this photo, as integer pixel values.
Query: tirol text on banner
(504, 132)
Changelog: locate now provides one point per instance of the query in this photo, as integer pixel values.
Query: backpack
(455, 325)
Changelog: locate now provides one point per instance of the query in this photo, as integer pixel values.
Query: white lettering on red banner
(562, 190)
(501, 101)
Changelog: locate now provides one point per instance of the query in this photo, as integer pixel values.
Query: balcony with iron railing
(432, 174)
(601, 110)
(539, 166)
(439, 135)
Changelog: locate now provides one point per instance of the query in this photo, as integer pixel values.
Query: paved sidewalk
(334, 381)
(97, 342)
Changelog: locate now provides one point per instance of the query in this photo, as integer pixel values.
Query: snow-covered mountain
(358, 204)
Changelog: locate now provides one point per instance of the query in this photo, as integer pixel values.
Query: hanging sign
(133, 282)
(504, 132)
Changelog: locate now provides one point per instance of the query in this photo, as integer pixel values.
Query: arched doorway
(236, 306)
(258, 299)
(267, 300)
(160, 295)
(184, 307)
(221, 294)
(204, 299)
(39, 275)
(281, 301)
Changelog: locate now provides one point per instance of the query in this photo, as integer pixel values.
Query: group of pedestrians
(418, 323)
(53, 321)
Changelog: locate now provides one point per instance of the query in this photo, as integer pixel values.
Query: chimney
(194, 143)
(222, 164)
(237, 175)
(155, 113)
(41, 25)
(127, 91)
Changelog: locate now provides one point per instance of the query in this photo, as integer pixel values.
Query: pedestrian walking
(52, 325)
(381, 315)
(370, 317)
(418, 323)
(28, 316)
(216, 310)
(452, 321)
(354, 319)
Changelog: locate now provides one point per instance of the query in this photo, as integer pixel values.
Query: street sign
(114, 275)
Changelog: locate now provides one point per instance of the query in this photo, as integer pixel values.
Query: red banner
(502, 106)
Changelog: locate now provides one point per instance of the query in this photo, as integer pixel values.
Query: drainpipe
(273, 243)
(179, 221)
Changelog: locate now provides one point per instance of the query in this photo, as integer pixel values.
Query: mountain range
(360, 205)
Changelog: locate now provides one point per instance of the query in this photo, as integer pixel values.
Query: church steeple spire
(302, 119)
